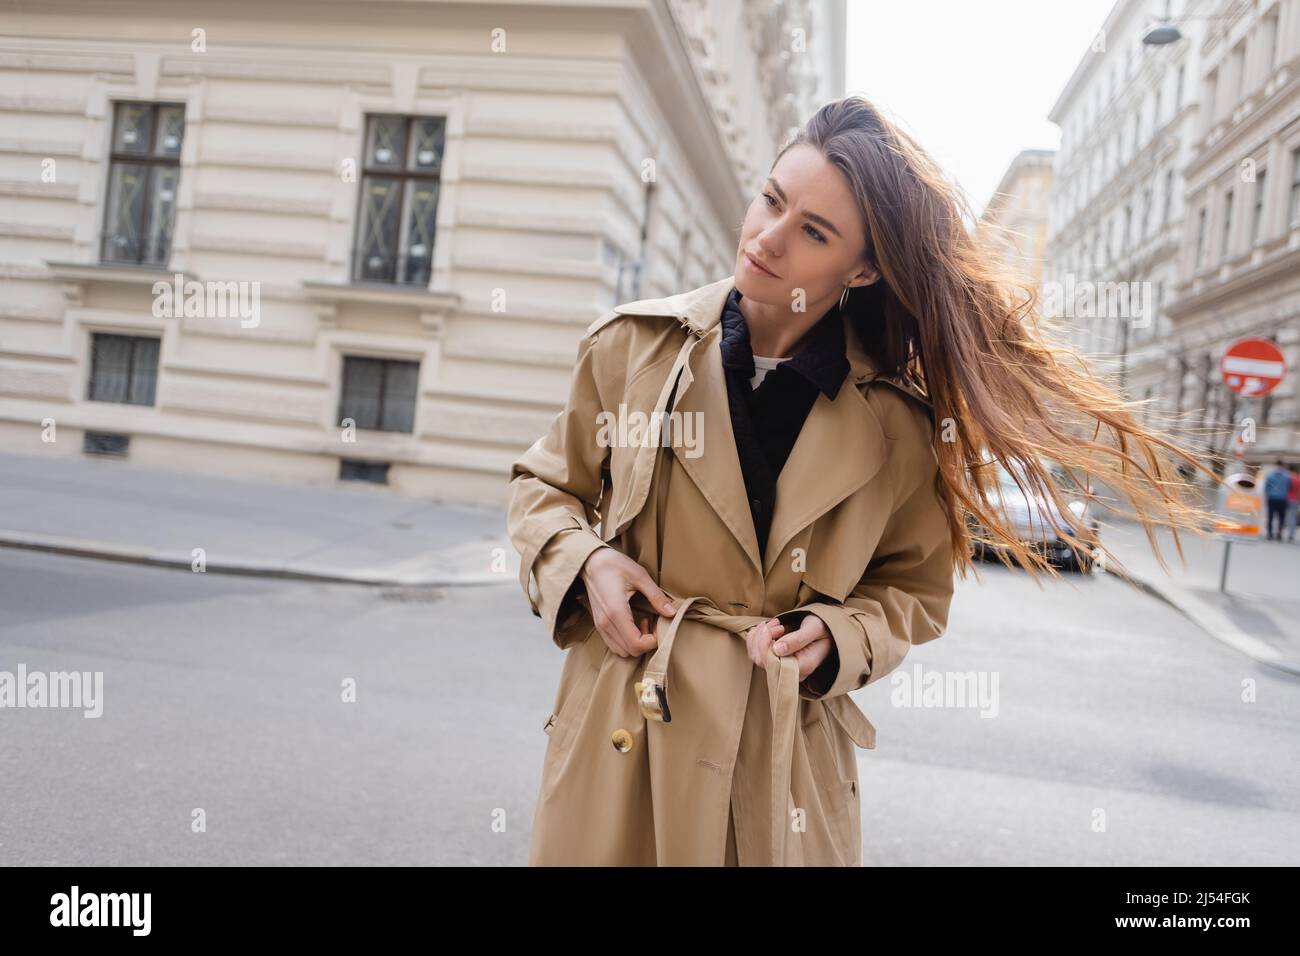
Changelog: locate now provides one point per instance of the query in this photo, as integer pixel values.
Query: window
(379, 394)
(352, 469)
(1183, 368)
(1148, 197)
(1225, 242)
(1128, 228)
(1269, 38)
(397, 218)
(123, 368)
(1234, 81)
(1178, 88)
(144, 172)
(1169, 196)
(1200, 238)
(1207, 364)
(1155, 111)
(1295, 186)
(1257, 220)
(1158, 312)
(108, 444)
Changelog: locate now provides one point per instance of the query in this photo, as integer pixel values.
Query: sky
(971, 80)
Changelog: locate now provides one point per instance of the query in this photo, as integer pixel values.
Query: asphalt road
(1120, 734)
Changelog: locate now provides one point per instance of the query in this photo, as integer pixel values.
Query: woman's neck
(776, 333)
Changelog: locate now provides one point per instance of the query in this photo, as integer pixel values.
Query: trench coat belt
(782, 692)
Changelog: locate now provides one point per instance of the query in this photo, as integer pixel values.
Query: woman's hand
(611, 577)
(810, 644)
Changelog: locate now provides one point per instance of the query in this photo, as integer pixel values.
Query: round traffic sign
(1252, 367)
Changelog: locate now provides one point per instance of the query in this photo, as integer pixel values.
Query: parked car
(1030, 520)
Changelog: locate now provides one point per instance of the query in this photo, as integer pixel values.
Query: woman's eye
(771, 202)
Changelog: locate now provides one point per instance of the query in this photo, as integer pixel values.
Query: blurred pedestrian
(1292, 501)
(1277, 488)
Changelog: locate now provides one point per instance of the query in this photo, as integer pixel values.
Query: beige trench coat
(645, 762)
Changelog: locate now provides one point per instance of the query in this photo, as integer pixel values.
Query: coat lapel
(702, 388)
(839, 449)
(717, 472)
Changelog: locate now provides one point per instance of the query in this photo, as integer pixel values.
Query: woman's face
(806, 228)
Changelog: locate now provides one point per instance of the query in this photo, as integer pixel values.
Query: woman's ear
(867, 276)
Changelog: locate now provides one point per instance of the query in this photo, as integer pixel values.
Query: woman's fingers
(810, 629)
(654, 594)
(630, 635)
(611, 581)
(759, 638)
(614, 625)
(811, 656)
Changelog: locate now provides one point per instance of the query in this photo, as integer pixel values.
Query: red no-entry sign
(1252, 367)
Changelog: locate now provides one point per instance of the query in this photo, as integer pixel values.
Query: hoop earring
(844, 296)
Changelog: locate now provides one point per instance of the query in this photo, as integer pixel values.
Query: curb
(243, 566)
(1210, 619)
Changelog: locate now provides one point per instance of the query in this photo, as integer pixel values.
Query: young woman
(770, 481)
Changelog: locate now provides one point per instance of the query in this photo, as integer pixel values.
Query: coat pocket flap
(853, 720)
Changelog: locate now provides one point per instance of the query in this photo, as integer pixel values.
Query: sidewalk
(1259, 612)
(361, 535)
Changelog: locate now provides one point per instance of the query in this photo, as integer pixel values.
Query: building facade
(1239, 263)
(1174, 181)
(1019, 210)
(1115, 226)
(322, 241)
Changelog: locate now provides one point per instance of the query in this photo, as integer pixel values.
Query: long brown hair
(948, 318)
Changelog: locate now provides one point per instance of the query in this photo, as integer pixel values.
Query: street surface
(1121, 737)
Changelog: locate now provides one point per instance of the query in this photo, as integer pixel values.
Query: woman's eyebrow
(820, 220)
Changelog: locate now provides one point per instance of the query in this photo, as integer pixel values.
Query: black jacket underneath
(767, 420)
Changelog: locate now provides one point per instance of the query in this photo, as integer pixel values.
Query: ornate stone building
(1179, 169)
(1019, 206)
(1127, 119)
(1239, 263)
(335, 240)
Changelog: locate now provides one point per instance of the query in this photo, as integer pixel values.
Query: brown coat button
(622, 741)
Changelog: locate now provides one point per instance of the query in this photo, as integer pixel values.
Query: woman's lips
(756, 267)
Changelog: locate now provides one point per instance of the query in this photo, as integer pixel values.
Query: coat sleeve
(555, 487)
(902, 598)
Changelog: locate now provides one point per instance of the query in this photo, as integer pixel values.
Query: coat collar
(839, 449)
(820, 362)
(700, 310)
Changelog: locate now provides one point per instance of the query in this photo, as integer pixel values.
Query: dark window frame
(1225, 238)
(132, 356)
(1257, 215)
(1294, 196)
(385, 363)
(404, 175)
(151, 161)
